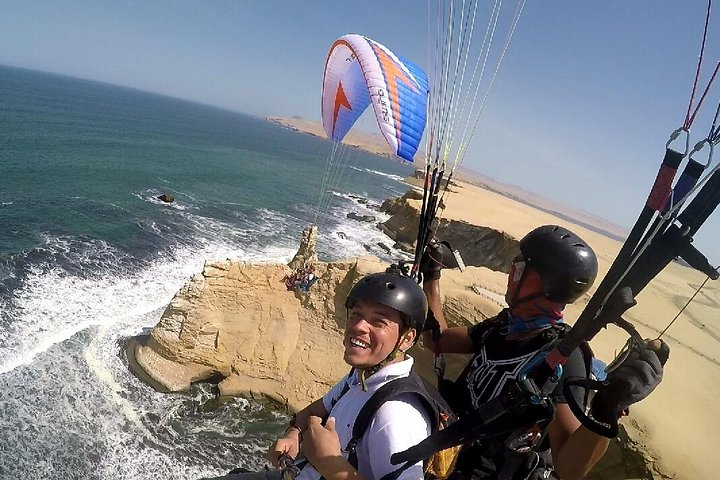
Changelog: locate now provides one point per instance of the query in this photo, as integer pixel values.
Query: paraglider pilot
(555, 267)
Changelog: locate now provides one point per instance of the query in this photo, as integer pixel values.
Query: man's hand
(321, 445)
(432, 261)
(288, 445)
(632, 381)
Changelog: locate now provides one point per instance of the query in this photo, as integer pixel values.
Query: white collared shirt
(397, 425)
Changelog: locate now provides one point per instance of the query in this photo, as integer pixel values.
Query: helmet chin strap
(364, 373)
(524, 299)
(519, 272)
(520, 277)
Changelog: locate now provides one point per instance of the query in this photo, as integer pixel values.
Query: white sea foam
(96, 356)
(391, 176)
(100, 419)
(150, 227)
(342, 237)
(346, 237)
(158, 460)
(222, 240)
(397, 178)
(116, 300)
(53, 305)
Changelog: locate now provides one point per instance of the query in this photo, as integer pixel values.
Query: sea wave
(71, 284)
(342, 237)
(77, 412)
(222, 433)
(397, 178)
(53, 305)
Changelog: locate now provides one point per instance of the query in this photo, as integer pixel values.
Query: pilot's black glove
(633, 380)
(432, 261)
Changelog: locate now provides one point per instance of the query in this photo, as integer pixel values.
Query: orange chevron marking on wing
(340, 101)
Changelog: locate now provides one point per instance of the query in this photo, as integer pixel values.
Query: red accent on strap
(660, 193)
(555, 358)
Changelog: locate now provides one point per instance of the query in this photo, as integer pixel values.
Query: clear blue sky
(583, 105)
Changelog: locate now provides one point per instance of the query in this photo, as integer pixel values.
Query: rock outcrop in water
(360, 218)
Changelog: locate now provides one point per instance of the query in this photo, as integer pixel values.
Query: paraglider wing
(360, 71)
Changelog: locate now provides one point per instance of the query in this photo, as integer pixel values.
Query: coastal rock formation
(166, 197)
(306, 255)
(479, 246)
(238, 322)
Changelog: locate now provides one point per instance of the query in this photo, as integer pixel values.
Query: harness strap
(413, 383)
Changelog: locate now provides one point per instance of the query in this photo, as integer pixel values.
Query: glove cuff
(604, 410)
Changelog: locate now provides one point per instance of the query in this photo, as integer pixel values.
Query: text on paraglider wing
(383, 105)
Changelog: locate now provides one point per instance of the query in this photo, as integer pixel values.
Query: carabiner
(699, 146)
(629, 346)
(674, 135)
(634, 343)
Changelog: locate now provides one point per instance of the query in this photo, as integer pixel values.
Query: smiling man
(386, 313)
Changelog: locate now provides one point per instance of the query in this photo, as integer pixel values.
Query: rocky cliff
(238, 324)
(480, 246)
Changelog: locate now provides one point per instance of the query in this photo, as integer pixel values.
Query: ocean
(90, 257)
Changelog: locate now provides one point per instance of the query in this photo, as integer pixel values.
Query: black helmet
(395, 291)
(565, 262)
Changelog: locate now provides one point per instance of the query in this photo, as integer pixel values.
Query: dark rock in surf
(360, 218)
(166, 197)
(384, 247)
